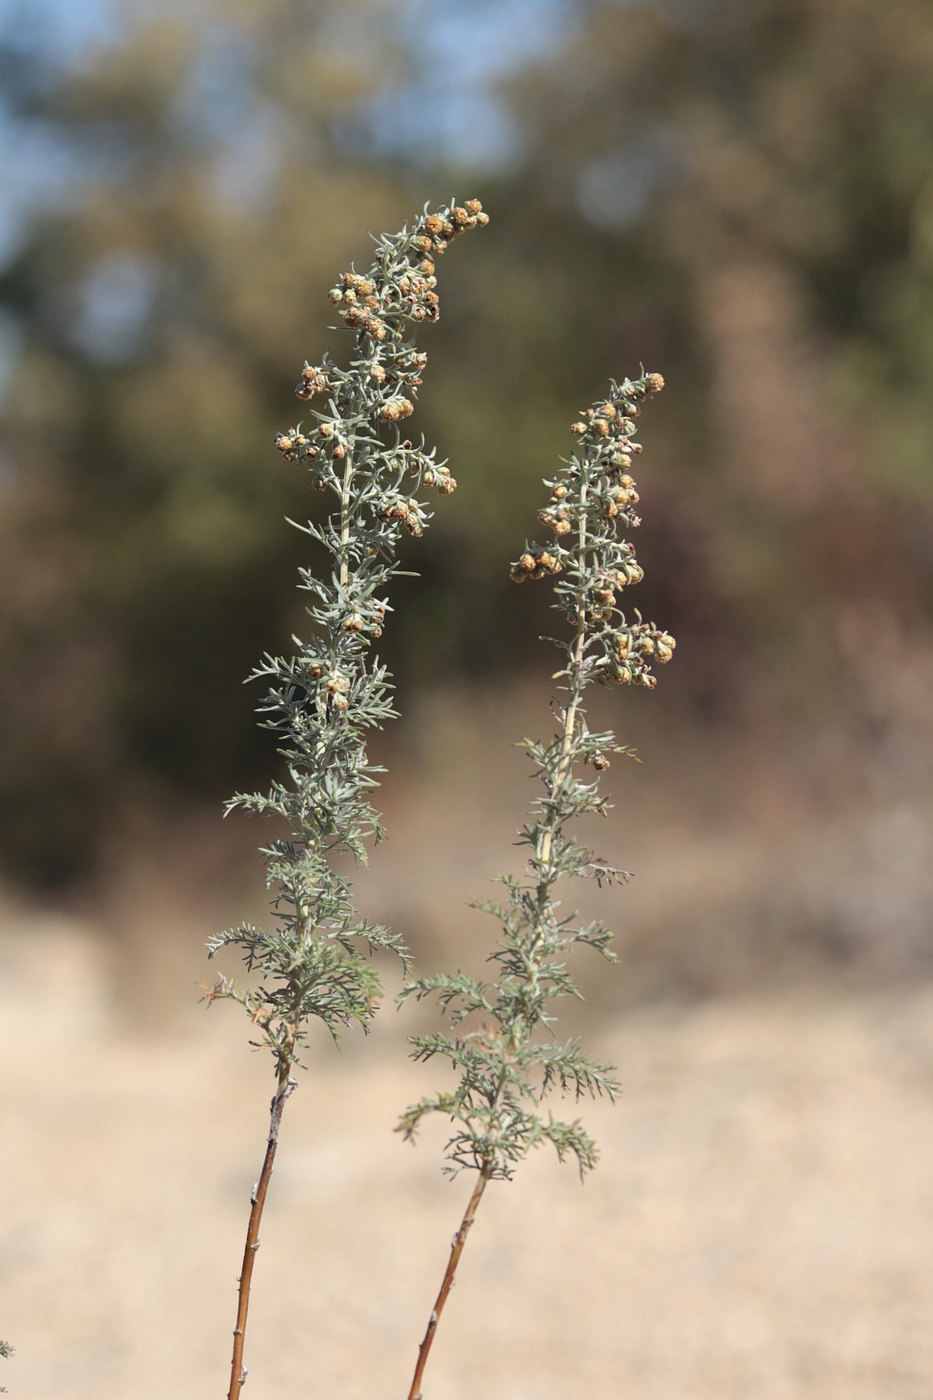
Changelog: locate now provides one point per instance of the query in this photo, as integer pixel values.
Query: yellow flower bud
(395, 408)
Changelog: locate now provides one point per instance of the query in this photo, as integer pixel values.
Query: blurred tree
(163, 312)
(752, 185)
(736, 193)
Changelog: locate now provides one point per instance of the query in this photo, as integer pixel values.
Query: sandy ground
(760, 1224)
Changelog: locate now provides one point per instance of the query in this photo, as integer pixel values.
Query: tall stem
(345, 518)
(456, 1250)
(237, 1369)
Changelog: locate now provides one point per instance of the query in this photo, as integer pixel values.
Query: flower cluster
(591, 498)
(325, 697)
(375, 301)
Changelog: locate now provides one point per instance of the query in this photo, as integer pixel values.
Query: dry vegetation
(758, 1224)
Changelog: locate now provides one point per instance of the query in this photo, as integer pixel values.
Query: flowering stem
(508, 1061)
(570, 715)
(237, 1370)
(456, 1250)
(325, 698)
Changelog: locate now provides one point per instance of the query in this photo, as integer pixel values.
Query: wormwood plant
(322, 700)
(509, 1061)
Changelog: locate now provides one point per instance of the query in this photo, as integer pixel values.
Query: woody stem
(260, 1190)
(456, 1250)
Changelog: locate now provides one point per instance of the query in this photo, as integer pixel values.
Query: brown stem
(456, 1250)
(237, 1369)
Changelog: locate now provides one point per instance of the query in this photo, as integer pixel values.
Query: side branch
(260, 1190)
(456, 1250)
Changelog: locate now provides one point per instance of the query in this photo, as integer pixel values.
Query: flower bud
(395, 408)
(578, 429)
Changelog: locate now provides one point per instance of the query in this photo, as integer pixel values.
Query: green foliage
(325, 698)
(507, 1063)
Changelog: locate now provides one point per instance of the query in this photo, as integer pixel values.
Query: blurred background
(735, 193)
